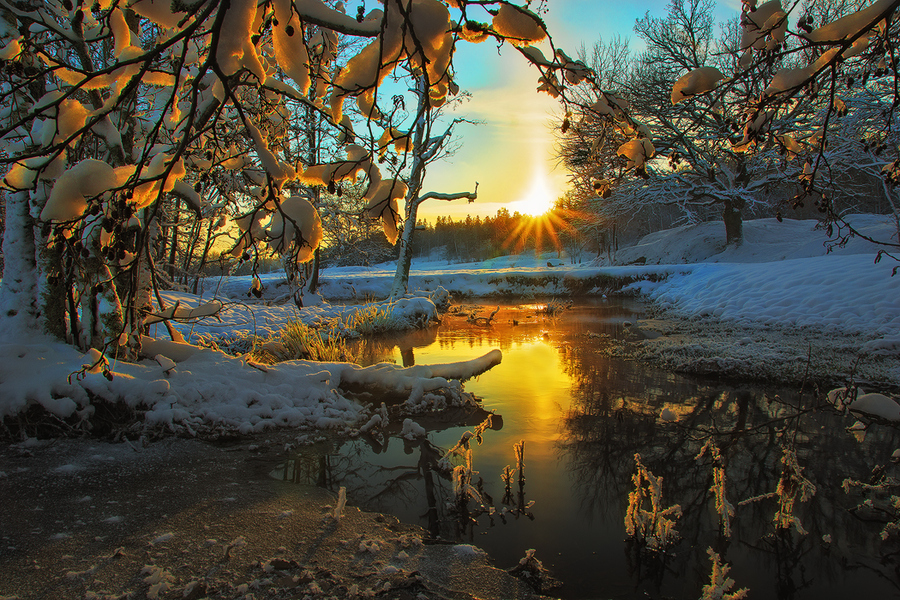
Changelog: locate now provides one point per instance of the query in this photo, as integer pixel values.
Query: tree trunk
(53, 291)
(207, 246)
(314, 277)
(173, 249)
(404, 260)
(19, 291)
(101, 311)
(192, 242)
(734, 230)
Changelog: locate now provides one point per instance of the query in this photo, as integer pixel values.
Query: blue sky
(511, 154)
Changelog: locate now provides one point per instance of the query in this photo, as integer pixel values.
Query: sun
(546, 222)
(539, 199)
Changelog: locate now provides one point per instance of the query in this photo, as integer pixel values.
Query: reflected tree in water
(615, 416)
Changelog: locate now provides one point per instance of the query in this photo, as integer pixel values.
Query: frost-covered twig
(533, 572)
(645, 519)
(724, 508)
(791, 484)
(507, 476)
(519, 449)
(720, 584)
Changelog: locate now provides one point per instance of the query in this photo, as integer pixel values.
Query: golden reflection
(584, 415)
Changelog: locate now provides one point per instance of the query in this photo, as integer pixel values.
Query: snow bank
(508, 276)
(239, 319)
(207, 389)
(848, 294)
(765, 240)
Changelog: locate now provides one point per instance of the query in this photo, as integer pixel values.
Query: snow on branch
(470, 196)
(425, 378)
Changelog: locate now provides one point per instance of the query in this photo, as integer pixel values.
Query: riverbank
(181, 518)
(790, 301)
(774, 354)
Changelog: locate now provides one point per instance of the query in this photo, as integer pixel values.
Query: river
(584, 417)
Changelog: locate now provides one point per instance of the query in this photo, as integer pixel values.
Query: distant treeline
(476, 238)
(469, 239)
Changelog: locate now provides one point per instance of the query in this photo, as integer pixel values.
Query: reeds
(370, 319)
(724, 508)
(646, 521)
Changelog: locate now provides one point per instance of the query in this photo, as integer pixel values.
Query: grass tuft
(371, 319)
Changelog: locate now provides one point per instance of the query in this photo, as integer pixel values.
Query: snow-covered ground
(785, 304)
(761, 308)
(519, 276)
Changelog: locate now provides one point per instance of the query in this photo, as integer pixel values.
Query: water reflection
(584, 416)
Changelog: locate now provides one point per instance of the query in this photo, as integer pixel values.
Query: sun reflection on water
(583, 417)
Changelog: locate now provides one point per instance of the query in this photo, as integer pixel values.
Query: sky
(511, 153)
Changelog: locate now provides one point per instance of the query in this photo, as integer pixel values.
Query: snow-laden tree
(119, 114)
(424, 146)
(721, 111)
(113, 110)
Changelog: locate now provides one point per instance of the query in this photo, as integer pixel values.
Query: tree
(722, 136)
(112, 111)
(425, 149)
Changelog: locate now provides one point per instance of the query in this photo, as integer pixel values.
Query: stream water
(584, 417)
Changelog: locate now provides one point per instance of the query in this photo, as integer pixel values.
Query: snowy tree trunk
(52, 292)
(19, 303)
(102, 311)
(734, 225)
(109, 310)
(404, 260)
(416, 175)
(143, 296)
(314, 277)
(90, 331)
(313, 124)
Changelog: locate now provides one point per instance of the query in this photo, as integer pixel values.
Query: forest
(137, 136)
(210, 211)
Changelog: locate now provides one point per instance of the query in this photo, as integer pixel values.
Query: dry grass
(371, 319)
(300, 341)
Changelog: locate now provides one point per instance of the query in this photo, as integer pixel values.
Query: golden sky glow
(539, 196)
(511, 155)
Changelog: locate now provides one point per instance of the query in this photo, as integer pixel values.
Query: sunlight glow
(539, 199)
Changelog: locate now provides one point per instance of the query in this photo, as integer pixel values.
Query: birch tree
(426, 147)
